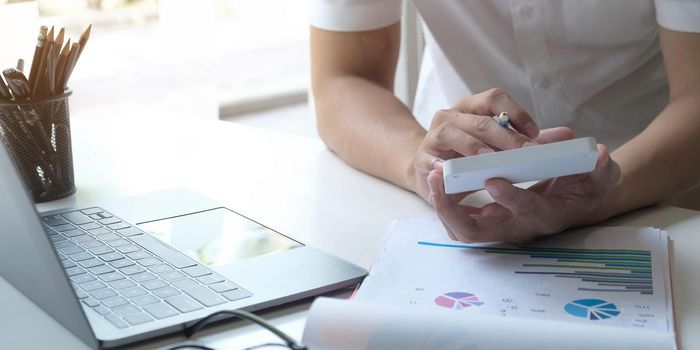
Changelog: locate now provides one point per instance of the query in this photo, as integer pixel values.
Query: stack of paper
(602, 287)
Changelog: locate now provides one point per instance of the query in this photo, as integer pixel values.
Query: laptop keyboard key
(68, 247)
(154, 284)
(93, 243)
(109, 221)
(99, 231)
(116, 321)
(101, 249)
(196, 271)
(118, 243)
(98, 270)
(109, 237)
(91, 302)
(183, 303)
(93, 285)
(145, 300)
(81, 256)
(103, 294)
(93, 210)
(126, 310)
(82, 278)
(223, 287)
(133, 292)
(53, 220)
(72, 271)
(160, 310)
(76, 217)
(204, 295)
(114, 302)
(121, 284)
(160, 268)
(121, 263)
(131, 231)
(90, 226)
(210, 279)
(81, 294)
(112, 276)
(166, 292)
(137, 319)
(90, 263)
(130, 270)
(139, 255)
(128, 248)
(101, 310)
(149, 261)
(67, 263)
(83, 239)
(111, 256)
(64, 227)
(183, 283)
(172, 275)
(73, 233)
(236, 294)
(118, 225)
(143, 277)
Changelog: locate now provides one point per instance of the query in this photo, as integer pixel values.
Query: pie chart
(457, 300)
(592, 309)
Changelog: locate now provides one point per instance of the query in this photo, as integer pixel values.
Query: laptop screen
(218, 237)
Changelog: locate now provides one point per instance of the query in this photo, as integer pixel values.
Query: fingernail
(484, 150)
(529, 143)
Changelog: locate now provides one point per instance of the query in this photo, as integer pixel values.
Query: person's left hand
(519, 215)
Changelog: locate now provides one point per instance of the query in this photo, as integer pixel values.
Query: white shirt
(592, 65)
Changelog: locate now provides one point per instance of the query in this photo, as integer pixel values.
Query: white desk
(292, 184)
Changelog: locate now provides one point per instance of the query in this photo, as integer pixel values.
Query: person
(626, 72)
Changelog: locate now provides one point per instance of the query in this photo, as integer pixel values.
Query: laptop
(133, 269)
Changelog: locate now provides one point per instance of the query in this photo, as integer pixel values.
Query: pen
(502, 119)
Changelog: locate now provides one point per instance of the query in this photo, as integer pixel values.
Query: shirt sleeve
(679, 15)
(354, 15)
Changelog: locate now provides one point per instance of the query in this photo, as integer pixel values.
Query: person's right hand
(468, 129)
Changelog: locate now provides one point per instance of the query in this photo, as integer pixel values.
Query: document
(599, 287)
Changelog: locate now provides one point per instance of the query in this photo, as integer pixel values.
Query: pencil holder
(37, 134)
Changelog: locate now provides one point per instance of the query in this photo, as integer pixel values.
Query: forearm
(660, 162)
(369, 128)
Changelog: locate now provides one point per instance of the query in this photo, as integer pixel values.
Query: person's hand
(468, 129)
(519, 215)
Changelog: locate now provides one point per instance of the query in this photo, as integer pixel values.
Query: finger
(495, 101)
(526, 206)
(607, 172)
(447, 137)
(461, 226)
(554, 135)
(481, 127)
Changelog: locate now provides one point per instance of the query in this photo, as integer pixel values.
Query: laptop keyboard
(127, 276)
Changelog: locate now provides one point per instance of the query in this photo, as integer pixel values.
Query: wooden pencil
(60, 37)
(61, 67)
(70, 64)
(37, 54)
(40, 82)
(51, 70)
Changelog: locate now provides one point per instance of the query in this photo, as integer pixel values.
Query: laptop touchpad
(218, 237)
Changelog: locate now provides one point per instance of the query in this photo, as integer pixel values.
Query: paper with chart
(607, 276)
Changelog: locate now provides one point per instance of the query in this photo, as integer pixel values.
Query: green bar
(618, 262)
(581, 267)
(574, 256)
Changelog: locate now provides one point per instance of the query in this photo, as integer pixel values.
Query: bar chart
(605, 270)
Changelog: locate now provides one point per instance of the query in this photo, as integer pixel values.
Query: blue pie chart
(592, 309)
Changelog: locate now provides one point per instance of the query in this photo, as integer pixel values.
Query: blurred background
(244, 61)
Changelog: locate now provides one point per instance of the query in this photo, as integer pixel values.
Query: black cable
(191, 346)
(291, 343)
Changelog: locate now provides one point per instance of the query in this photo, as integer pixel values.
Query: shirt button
(526, 11)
